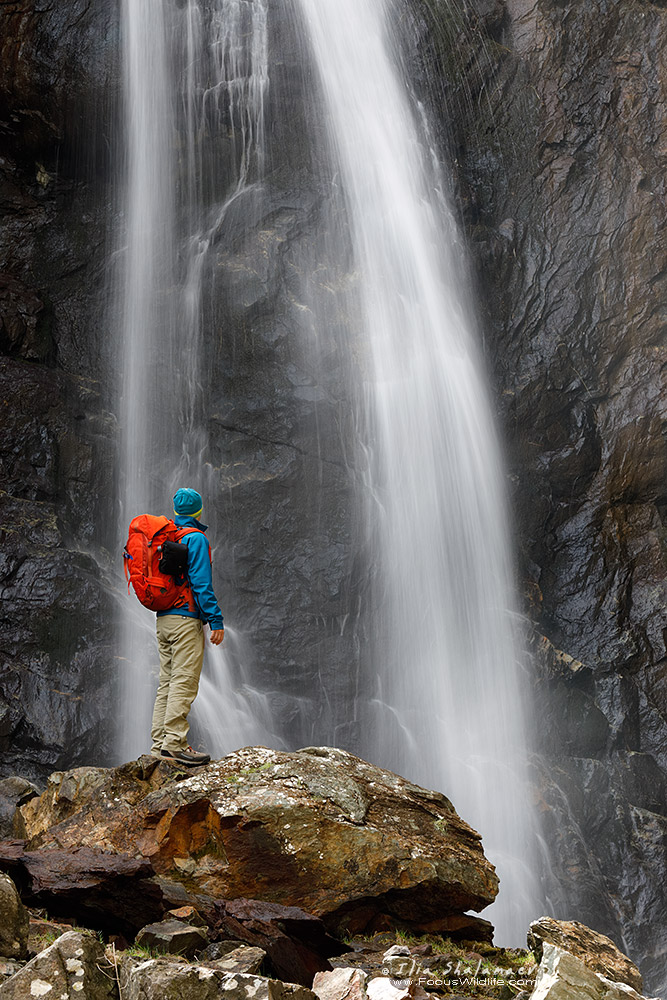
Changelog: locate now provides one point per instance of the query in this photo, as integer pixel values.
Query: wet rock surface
(319, 829)
(57, 443)
(553, 116)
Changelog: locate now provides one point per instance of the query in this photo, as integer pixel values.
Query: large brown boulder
(317, 828)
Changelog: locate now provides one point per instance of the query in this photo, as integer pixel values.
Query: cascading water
(448, 708)
(195, 78)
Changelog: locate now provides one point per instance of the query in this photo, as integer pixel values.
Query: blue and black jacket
(199, 575)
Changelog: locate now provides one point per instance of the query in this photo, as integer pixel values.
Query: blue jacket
(199, 575)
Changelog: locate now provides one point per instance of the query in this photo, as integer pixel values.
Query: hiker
(180, 639)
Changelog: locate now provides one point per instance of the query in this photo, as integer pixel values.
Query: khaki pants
(180, 644)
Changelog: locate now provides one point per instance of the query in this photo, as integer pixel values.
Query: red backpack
(157, 588)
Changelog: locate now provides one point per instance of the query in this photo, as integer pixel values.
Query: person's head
(188, 502)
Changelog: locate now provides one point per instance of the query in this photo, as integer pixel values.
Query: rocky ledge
(232, 880)
(319, 829)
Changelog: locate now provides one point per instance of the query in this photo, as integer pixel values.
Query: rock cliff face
(56, 454)
(553, 117)
(555, 114)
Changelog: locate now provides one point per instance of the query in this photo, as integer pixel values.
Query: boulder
(103, 890)
(174, 937)
(188, 915)
(460, 927)
(164, 979)
(296, 943)
(43, 933)
(595, 950)
(562, 976)
(318, 828)
(14, 792)
(240, 959)
(9, 967)
(14, 921)
(340, 984)
(74, 965)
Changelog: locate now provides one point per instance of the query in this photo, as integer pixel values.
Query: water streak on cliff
(195, 79)
(448, 706)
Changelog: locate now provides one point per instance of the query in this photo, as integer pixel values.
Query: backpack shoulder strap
(182, 532)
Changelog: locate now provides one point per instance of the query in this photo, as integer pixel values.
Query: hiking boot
(187, 756)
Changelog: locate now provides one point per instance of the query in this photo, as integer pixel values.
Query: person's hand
(217, 635)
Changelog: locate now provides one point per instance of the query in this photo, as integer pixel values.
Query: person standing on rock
(180, 639)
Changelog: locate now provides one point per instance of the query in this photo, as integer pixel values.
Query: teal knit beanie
(189, 502)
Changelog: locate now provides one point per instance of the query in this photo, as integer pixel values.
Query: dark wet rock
(112, 892)
(74, 965)
(14, 921)
(566, 227)
(56, 108)
(296, 943)
(24, 323)
(54, 89)
(595, 950)
(52, 641)
(604, 823)
(174, 937)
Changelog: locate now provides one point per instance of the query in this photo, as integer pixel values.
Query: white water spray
(448, 709)
(195, 78)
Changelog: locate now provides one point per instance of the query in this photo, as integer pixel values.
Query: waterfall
(448, 706)
(436, 692)
(195, 77)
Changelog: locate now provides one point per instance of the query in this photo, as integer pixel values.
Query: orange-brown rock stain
(187, 831)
